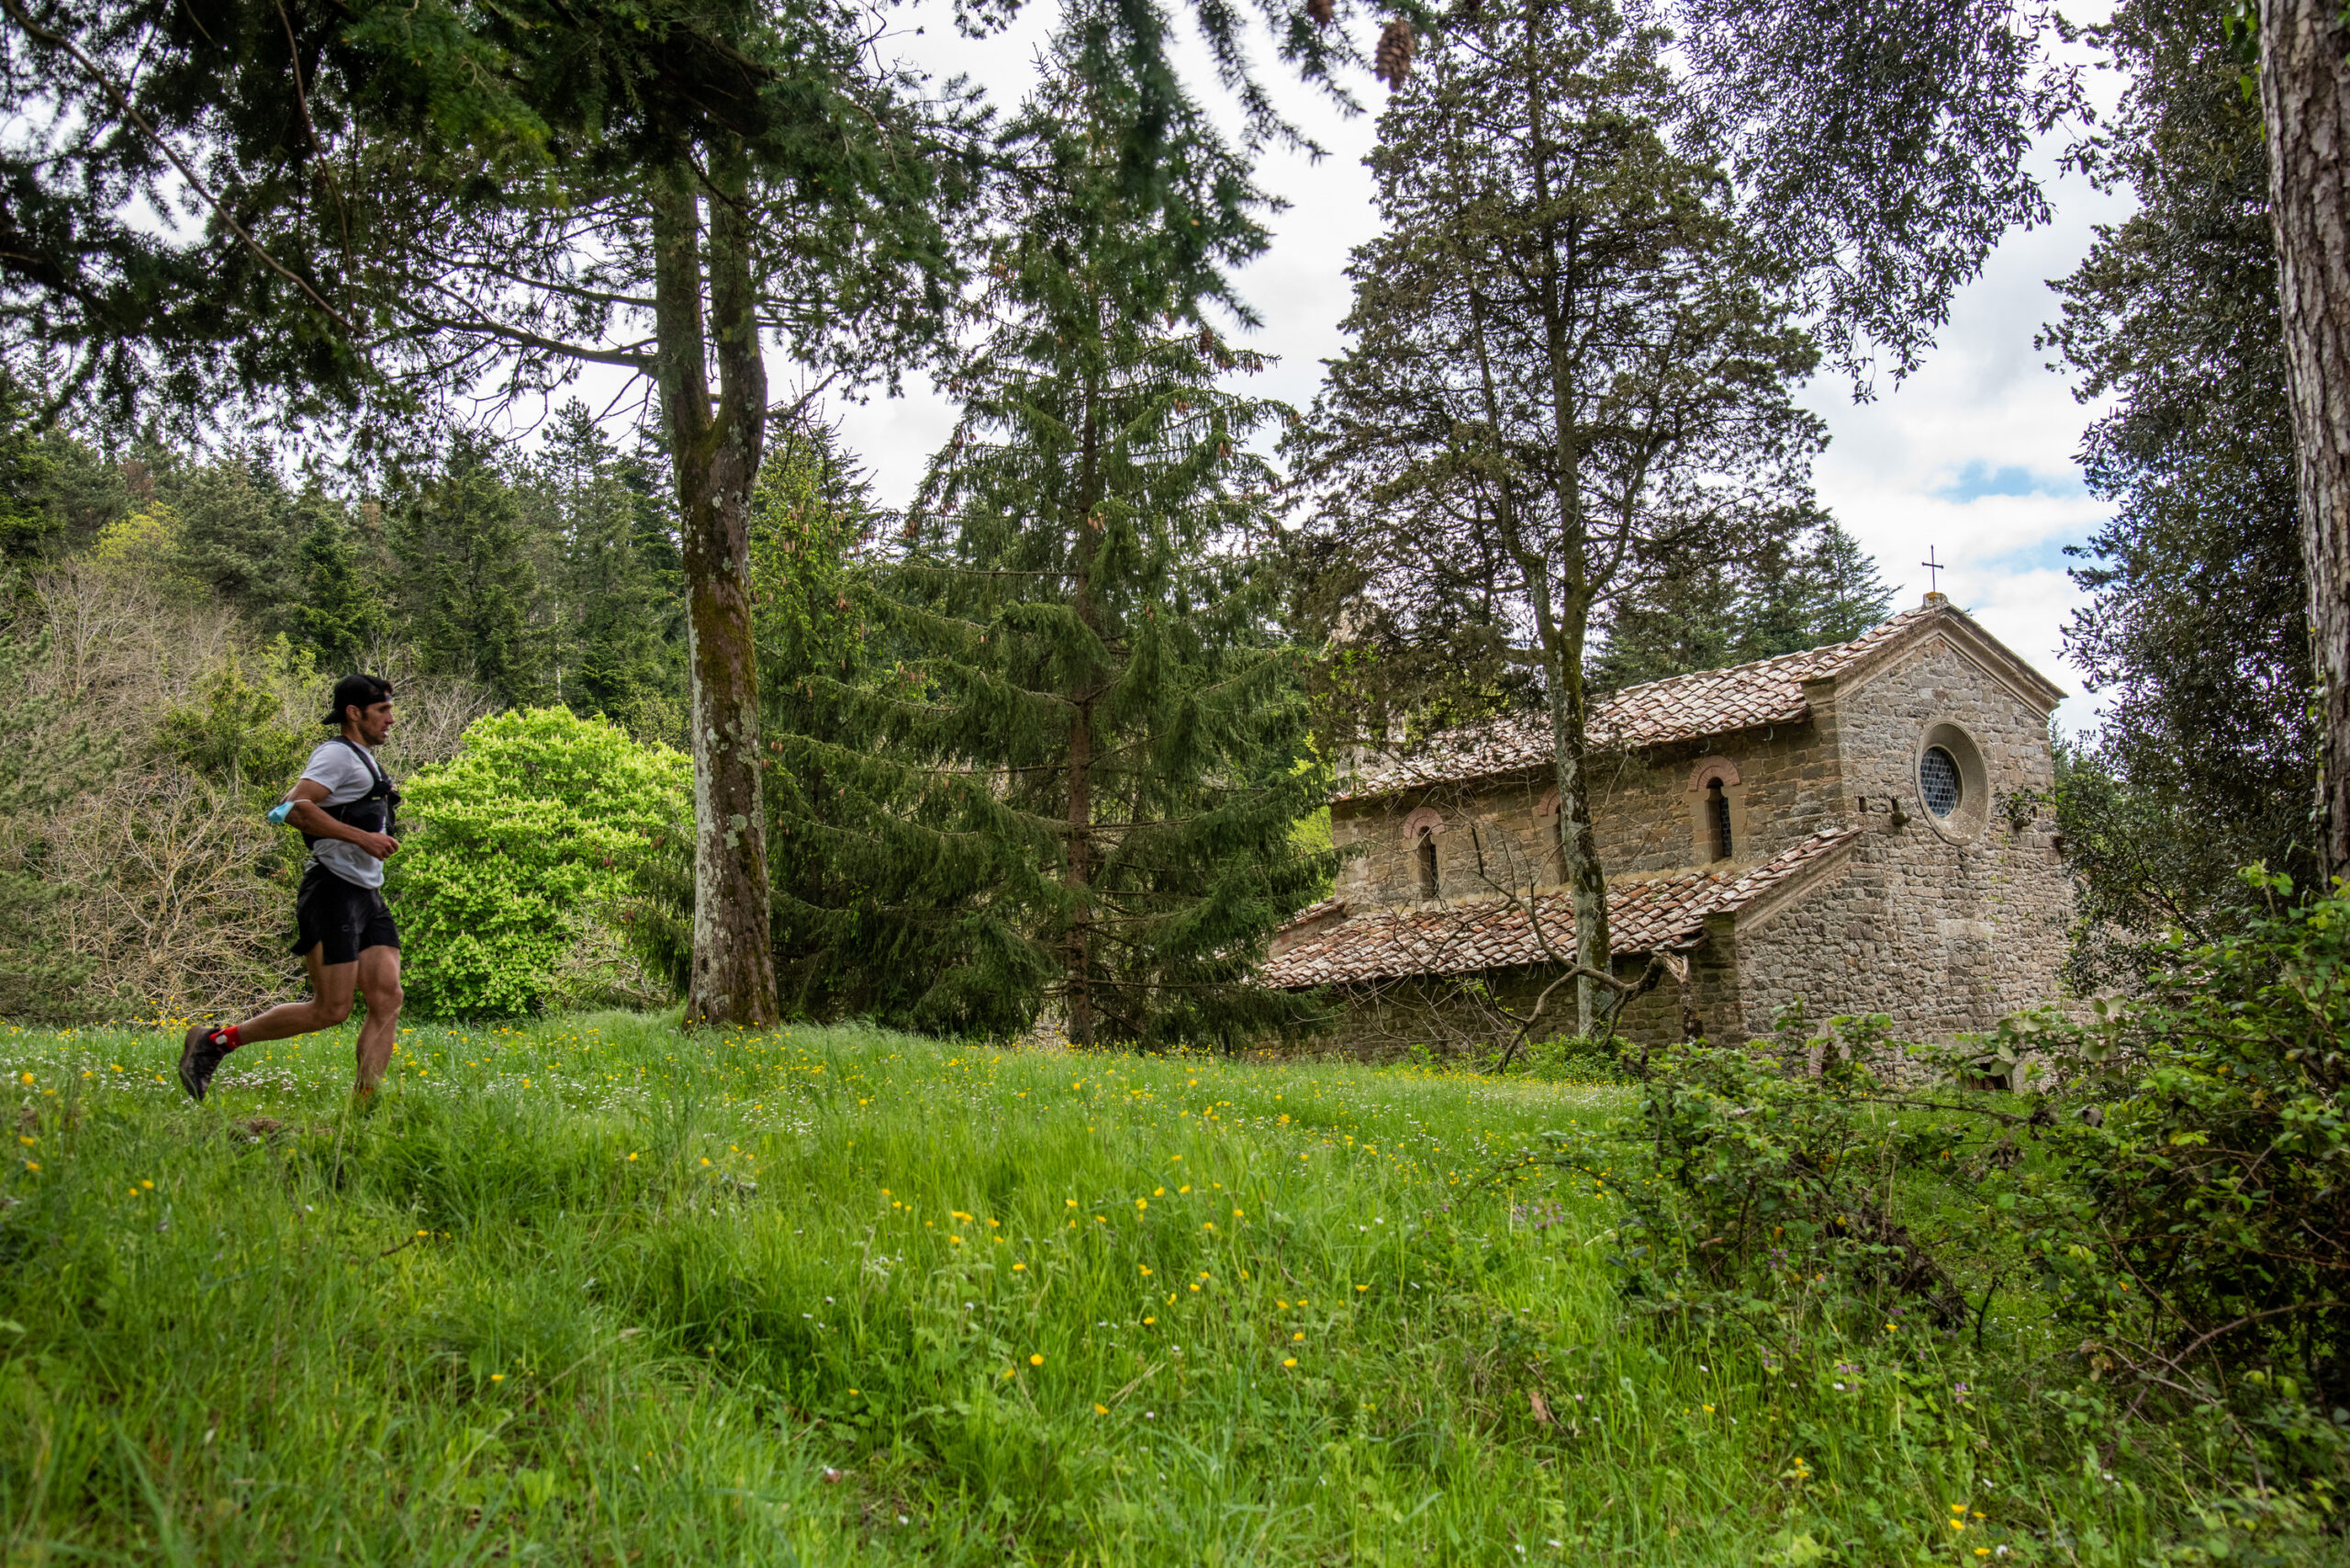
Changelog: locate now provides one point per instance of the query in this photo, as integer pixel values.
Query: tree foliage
(1088, 736)
(877, 912)
(469, 580)
(609, 579)
(1882, 146)
(1569, 371)
(1791, 592)
(2209, 1187)
(2196, 626)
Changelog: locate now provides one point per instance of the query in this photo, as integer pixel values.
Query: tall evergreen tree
(1830, 593)
(1792, 591)
(30, 524)
(614, 617)
(466, 586)
(340, 615)
(1094, 681)
(1690, 618)
(2196, 625)
(885, 886)
(240, 536)
(1567, 368)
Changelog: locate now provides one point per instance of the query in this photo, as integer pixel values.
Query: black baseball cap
(357, 692)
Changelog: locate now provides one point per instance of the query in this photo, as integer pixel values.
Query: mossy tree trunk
(716, 446)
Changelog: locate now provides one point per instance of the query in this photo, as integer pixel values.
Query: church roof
(1495, 934)
(1682, 708)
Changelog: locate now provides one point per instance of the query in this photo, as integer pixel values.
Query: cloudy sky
(1971, 457)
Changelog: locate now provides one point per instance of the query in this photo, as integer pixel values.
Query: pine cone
(1392, 61)
(1321, 11)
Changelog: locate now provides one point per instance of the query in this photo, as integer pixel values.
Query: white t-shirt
(346, 778)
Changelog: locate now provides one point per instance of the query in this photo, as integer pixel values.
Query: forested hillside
(171, 620)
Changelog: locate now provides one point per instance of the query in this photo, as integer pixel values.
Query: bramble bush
(2199, 1218)
(1752, 1185)
(524, 847)
(2165, 1195)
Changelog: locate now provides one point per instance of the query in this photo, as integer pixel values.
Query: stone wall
(1947, 926)
(1708, 1005)
(1780, 785)
(1458, 1018)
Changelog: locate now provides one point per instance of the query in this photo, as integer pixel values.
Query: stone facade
(1843, 887)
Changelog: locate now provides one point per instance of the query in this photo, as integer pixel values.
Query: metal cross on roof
(1933, 567)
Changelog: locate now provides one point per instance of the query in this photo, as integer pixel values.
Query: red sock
(226, 1039)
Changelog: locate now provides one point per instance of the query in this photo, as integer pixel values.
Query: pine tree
(615, 616)
(1832, 595)
(1791, 592)
(879, 897)
(466, 587)
(29, 525)
(1688, 619)
(1090, 732)
(340, 616)
(239, 536)
(1568, 367)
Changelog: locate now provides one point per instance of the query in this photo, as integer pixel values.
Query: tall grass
(597, 1291)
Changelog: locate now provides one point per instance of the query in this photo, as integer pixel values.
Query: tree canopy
(2195, 628)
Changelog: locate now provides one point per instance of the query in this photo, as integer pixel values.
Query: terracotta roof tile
(1686, 707)
(1493, 933)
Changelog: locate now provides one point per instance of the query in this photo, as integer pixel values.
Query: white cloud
(1939, 461)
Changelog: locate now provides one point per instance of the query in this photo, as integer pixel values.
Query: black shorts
(348, 918)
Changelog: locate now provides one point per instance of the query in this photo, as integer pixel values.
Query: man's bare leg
(332, 987)
(379, 982)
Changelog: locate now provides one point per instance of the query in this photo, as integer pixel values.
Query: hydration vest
(376, 812)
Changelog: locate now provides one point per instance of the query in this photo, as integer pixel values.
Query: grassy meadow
(592, 1291)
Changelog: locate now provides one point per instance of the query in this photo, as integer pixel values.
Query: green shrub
(1753, 1184)
(2200, 1227)
(237, 733)
(521, 848)
(1570, 1058)
(2166, 1200)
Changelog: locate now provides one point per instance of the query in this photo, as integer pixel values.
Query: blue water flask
(279, 812)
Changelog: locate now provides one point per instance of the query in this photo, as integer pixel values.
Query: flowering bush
(520, 848)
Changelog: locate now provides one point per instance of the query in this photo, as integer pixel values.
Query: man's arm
(312, 819)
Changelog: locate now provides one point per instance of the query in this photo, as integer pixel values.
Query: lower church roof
(1496, 934)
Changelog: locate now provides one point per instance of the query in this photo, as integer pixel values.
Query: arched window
(1717, 818)
(1419, 837)
(1717, 801)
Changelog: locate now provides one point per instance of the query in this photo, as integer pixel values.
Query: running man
(343, 804)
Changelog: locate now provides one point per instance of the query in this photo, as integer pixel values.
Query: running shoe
(200, 1058)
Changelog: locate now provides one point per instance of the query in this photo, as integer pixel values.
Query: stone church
(1856, 827)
